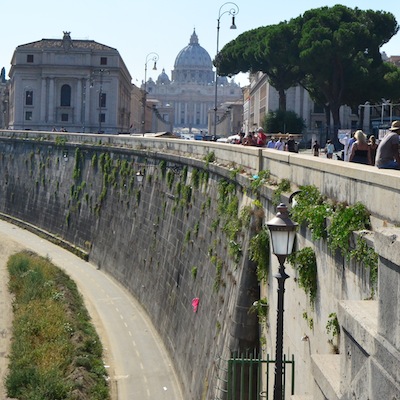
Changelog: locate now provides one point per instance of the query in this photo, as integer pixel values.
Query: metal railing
(247, 377)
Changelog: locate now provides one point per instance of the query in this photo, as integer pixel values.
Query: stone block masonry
(168, 240)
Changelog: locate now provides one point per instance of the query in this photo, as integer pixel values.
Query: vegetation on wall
(333, 329)
(260, 179)
(260, 254)
(365, 255)
(77, 173)
(163, 167)
(336, 223)
(283, 187)
(312, 209)
(309, 320)
(60, 141)
(209, 158)
(344, 221)
(261, 307)
(305, 263)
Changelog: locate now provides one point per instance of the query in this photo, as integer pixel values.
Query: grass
(55, 350)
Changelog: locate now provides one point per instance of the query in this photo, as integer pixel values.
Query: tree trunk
(336, 125)
(282, 100)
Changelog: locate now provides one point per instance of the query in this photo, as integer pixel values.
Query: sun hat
(260, 129)
(395, 126)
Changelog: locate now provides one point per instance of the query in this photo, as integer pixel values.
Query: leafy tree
(270, 49)
(283, 121)
(339, 43)
(331, 51)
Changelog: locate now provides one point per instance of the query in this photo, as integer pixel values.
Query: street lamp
(361, 114)
(283, 233)
(102, 97)
(233, 10)
(150, 57)
(139, 177)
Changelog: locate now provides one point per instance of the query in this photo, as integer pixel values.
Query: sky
(137, 28)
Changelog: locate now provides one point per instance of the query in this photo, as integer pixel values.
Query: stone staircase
(368, 366)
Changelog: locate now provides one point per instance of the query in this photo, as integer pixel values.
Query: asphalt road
(138, 364)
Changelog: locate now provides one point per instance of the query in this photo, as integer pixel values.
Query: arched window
(65, 96)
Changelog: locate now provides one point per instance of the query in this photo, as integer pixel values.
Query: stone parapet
(147, 239)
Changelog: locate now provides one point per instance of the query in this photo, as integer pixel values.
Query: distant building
(3, 100)
(79, 85)
(260, 98)
(187, 99)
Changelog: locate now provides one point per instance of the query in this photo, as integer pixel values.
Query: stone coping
(340, 181)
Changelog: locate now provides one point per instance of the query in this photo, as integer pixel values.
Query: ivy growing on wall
(259, 253)
(283, 186)
(305, 263)
(315, 211)
(344, 221)
(209, 158)
(368, 257)
(78, 164)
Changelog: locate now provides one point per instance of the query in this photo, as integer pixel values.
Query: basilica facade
(188, 98)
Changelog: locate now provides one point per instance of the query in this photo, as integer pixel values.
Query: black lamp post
(233, 10)
(283, 233)
(150, 57)
(102, 97)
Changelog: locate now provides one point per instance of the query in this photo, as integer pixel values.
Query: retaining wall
(168, 248)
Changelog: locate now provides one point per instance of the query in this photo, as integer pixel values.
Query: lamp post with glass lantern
(233, 10)
(283, 233)
(150, 57)
(139, 177)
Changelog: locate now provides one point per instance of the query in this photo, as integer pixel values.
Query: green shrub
(305, 263)
(344, 221)
(49, 317)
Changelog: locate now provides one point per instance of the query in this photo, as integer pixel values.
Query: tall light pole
(233, 9)
(102, 100)
(150, 57)
(283, 233)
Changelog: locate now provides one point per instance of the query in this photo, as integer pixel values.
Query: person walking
(315, 148)
(271, 143)
(279, 145)
(360, 151)
(329, 149)
(387, 154)
(261, 139)
(373, 146)
(349, 146)
(249, 140)
(290, 144)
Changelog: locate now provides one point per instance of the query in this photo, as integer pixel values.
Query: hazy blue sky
(138, 27)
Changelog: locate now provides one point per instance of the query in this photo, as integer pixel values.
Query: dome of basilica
(193, 64)
(193, 55)
(163, 78)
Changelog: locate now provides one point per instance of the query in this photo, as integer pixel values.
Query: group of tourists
(329, 149)
(364, 150)
(360, 148)
(259, 139)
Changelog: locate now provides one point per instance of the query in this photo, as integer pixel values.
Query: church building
(190, 92)
(73, 85)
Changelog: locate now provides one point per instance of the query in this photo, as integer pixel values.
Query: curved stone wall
(154, 237)
(169, 240)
